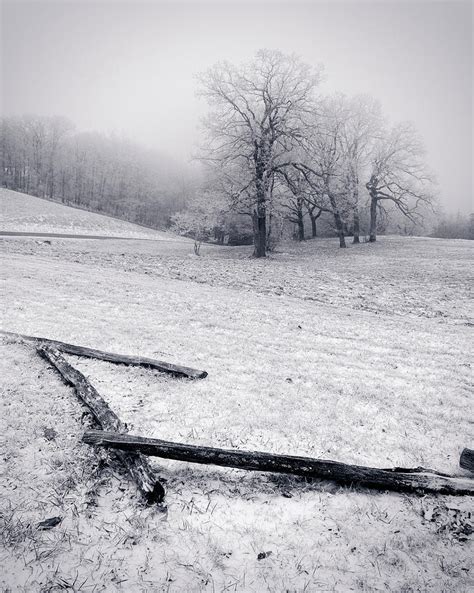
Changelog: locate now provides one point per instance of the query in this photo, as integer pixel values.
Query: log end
(467, 459)
(156, 496)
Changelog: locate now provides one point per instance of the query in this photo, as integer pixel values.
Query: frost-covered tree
(362, 124)
(259, 116)
(300, 199)
(398, 175)
(30, 147)
(459, 226)
(323, 164)
(200, 219)
(294, 204)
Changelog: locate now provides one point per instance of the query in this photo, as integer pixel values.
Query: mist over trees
(277, 154)
(48, 158)
(457, 226)
(279, 149)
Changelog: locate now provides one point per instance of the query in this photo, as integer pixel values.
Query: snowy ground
(360, 355)
(23, 213)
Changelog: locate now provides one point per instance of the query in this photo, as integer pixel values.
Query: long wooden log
(290, 464)
(160, 365)
(467, 459)
(136, 464)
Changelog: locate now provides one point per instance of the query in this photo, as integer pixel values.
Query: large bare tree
(259, 115)
(361, 128)
(398, 175)
(323, 163)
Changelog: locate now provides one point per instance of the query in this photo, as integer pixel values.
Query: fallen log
(288, 464)
(136, 464)
(160, 365)
(467, 459)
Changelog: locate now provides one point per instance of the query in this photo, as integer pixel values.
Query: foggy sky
(130, 66)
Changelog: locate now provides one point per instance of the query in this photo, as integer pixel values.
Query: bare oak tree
(361, 127)
(294, 204)
(398, 175)
(259, 116)
(323, 164)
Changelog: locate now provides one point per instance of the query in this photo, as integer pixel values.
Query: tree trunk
(300, 225)
(159, 365)
(313, 217)
(356, 238)
(63, 186)
(268, 229)
(355, 197)
(137, 466)
(255, 231)
(340, 229)
(373, 220)
(411, 480)
(51, 181)
(261, 237)
(260, 226)
(337, 217)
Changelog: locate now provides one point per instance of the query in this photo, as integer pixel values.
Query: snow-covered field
(23, 213)
(361, 355)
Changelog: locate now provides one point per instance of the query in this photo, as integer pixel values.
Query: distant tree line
(46, 157)
(276, 150)
(460, 226)
(278, 157)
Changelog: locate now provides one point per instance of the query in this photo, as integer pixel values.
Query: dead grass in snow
(286, 374)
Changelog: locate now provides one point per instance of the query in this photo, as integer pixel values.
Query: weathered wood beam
(467, 459)
(136, 464)
(301, 466)
(160, 365)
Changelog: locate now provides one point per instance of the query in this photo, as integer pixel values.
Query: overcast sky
(130, 66)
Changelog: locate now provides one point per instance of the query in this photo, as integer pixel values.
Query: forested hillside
(47, 158)
(21, 213)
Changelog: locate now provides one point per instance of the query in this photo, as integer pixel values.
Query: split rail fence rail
(132, 451)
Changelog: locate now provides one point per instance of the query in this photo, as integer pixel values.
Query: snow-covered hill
(23, 213)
